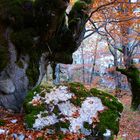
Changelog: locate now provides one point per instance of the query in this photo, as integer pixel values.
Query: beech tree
(119, 25)
(32, 34)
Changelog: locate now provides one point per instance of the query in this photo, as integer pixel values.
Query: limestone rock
(71, 108)
(7, 86)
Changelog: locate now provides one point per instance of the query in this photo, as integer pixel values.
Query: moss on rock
(33, 72)
(23, 41)
(78, 89)
(81, 93)
(108, 100)
(30, 110)
(108, 118)
(20, 64)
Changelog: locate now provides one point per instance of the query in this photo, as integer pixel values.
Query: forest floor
(11, 125)
(130, 121)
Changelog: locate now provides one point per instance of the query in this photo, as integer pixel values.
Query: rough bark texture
(32, 33)
(133, 76)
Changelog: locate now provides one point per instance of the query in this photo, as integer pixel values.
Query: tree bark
(133, 77)
(38, 34)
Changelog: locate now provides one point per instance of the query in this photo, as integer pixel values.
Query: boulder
(71, 108)
(7, 86)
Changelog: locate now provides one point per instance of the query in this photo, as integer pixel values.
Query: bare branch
(100, 7)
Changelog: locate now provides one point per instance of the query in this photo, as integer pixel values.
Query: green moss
(44, 114)
(56, 110)
(30, 110)
(76, 14)
(23, 40)
(133, 76)
(14, 13)
(24, 43)
(30, 120)
(60, 125)
(2, 122)
(88, 1)
(42, 94)
(79, 5)
(107, 99)
(61, 136)
(33, 72)
(87, 126)
(109, 119)
(4, 53)
(47, 87)
(78, 89)
(31, 94)
(20, 64)
(77, 101)
(40, 138)
(34, 109)
(80, 93)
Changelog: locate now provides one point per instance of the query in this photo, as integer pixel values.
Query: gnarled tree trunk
(32, 33)
(133, 76)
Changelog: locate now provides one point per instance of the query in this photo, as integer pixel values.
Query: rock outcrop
(33, 33)
(71, 108)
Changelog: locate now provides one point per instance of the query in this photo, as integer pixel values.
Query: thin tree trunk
(57, 74)
(83, 67)
(94, 62)
(117, 75)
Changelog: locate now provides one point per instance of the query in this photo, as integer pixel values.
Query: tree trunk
(117, 75)
(38, 34)
(83, 63)
(94, 62)
(57, 74)
(133, 76)
(13, 82)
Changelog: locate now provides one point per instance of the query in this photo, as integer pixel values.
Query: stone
(71, 108)
(7, 86)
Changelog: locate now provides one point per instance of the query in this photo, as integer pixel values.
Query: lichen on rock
(60, 111)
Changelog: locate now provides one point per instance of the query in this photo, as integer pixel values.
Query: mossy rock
(108, 100)
(30, 110)
(23, 40)
(80, 91)
(59, 103)
(79, 5)
(109, 119)
(77, 14)
(33, 72)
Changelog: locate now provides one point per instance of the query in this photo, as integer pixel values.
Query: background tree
(119, 25)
